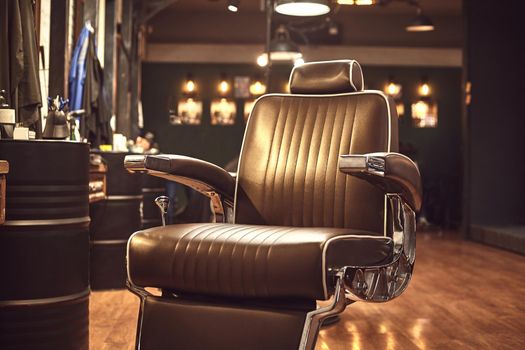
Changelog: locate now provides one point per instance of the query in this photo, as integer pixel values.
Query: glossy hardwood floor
(463, 296)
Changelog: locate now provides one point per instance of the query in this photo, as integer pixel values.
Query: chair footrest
(171, 323)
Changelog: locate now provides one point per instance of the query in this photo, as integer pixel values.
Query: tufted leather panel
(288, 171)
(247, 261)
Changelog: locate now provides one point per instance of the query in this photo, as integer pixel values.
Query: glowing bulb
(224, 87)
(357, 2)
(233, 8)
(393, 89)
(190, 86)
(424, 89)
(262, 60)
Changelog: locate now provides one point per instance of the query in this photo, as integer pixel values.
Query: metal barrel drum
(112, 222)
(152, 187)
(44, 246)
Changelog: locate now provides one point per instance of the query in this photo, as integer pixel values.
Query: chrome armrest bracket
(379, 283)
(222, 208)
(385, 282)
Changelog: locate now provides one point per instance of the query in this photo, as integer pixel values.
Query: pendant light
(233, 5)
(302, 7)
(357, 2)
(282, 48)
(420, 23)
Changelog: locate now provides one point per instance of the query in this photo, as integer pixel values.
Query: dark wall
(495, 50)
(355, 27)
(437, 150)
(161, 83)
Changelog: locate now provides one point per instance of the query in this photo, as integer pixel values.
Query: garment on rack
(19, 75)
(86, 91)
(98, 130)
(77, 71)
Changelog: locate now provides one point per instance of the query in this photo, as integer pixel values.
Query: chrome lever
(163, 203)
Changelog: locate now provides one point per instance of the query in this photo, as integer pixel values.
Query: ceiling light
(357, 2)
(282, 48)
(302, 7)
(233, 5)
(420, 23)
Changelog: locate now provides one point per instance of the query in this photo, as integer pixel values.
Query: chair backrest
(288, 169)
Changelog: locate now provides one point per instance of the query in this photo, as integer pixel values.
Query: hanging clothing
(77, 71)
(94, 100)
(86, 91)
(19, 75)
(11, 53)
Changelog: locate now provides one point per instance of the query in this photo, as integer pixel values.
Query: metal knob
(163, 203)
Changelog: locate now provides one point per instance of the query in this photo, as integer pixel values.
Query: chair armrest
(204, 177)
(392, 172)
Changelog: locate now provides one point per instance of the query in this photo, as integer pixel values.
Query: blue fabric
(77, 71)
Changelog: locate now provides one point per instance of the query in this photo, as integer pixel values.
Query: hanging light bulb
(189, 86)
(424, 88)
(224, 86)
(393, 89)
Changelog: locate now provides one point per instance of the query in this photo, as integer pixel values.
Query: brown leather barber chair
(322, 208)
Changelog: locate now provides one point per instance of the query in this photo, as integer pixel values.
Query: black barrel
(44, 246)
(112, 222)
(152, 187)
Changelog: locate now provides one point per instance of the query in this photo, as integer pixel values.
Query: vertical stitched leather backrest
(288, 172)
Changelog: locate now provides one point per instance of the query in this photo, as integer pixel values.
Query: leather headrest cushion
(328, 77)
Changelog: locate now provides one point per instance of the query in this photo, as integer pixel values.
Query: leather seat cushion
(248, 261)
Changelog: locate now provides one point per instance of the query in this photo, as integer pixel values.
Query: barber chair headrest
(329, 77)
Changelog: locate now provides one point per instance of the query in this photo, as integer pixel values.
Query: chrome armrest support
(220, 204)
(379, 283)
(385, 282)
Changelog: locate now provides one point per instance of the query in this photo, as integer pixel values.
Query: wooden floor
(463, 296)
